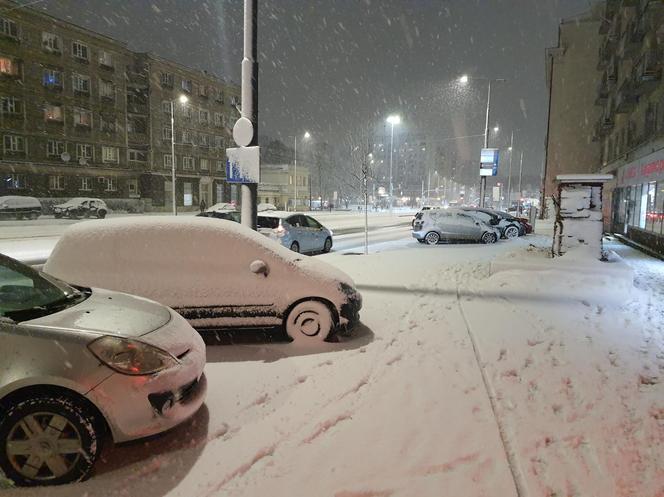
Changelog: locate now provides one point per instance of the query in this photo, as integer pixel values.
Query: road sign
(243, 165)
(243, 132)
(489, 162)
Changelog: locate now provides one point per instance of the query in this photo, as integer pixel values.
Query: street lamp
(463, 80)
(183, 100)
(393, 120)
(307, 135)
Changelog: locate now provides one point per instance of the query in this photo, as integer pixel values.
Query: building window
(11, 105)
(56, 182)
(55, 148)
(84, 151)
(105, 59)
(188, 196)
(138, 156)
(187, 136)
(16, 181)
(166, 80)
(8, 28)
(106, 89)
(220, 97)
(203, 91)
(109, 154)
(168, 161)
(204, 140)
(9, 66)
(167, 133)
(188, 163)
(80, 83)
(219, 142)
(51, 42)
(52, 78)
(86, 184)
(107, 124)
(111, 184)
(187, 85)
(82, 117)
(53, 113)
(221, 165)
(80, 50)
(14, 143)
(186, 111)
(166, 107)
(218, 119)
(235, 101)
(203, 116)
(132, 186)
(205, 164)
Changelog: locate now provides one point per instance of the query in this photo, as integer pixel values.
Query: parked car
(418, 215)
(79, 364)
(522, 222)
(81, 207)
(217, 274)
(222, 206)
(18, 207)
(295, 231)
(228, 215)
(508, 226)
(452, 224)
(525, 222)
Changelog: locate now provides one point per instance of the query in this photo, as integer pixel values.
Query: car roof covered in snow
(80, 200)
(19, 201)
(279, 214)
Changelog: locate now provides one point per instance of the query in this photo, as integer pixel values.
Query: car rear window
(268, 222)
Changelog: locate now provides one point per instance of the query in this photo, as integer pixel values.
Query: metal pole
(295, 179)
(365, 174)
(486, 145)
(250, 103)
(518, 209)
(509, 174)
(391, 150)
(429, 186)
(175, 207)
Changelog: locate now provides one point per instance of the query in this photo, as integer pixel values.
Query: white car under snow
(217, 274)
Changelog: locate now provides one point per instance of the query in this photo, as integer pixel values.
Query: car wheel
(309, 321)
(511, 232)
(48, 440)
(295, 247)
(101, 214)
(489, 237)
(432, 238)
(328, 245)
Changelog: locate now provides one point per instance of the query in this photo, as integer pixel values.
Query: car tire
(489, 237)
(65, 449)
(101, 214)
(511, 232)
(295, 247)
(432, 238)
(328, 245)
(310, 321)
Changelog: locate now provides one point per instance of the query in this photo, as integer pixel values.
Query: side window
(313, 223)
(295, 221)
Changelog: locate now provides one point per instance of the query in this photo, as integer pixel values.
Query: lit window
(53, 112)
(8, 66)
(52, 78)
(82, 117)
(187, 85)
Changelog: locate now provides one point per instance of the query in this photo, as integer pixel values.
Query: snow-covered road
(450, 387)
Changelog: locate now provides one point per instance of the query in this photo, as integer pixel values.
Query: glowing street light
(393, 120)
(183, 99)
(307, 135)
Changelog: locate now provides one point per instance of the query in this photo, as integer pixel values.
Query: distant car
(264, 207)
(296, 231)
(18, 207)
(81, 207)
(452, 224)
(228, 215)
(522, 222)
(525, 222)
(508, 226)
(79, 364)
(217, 274)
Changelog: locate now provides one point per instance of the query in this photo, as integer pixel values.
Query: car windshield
(26, 293)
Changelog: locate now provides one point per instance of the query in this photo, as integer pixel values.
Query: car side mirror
(259, 267)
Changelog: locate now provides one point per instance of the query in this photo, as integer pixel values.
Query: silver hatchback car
(435, 226)
(77, 364)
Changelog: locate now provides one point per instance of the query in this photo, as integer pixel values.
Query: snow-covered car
(217, 274)
(452, 224)
(265, 207)
(418, 215)
(228, 215)
(81, 207)
(508, 226)
(80, 364)
(296, 231)
(19, 207)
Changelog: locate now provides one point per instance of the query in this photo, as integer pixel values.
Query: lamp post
(307, 135)
(392, 120)
(183, 100)
(509, 174)
(463, 80)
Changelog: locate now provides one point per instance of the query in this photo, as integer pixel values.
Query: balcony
(612, 74)
(631, 40)
(626, 99)
(602, 93)
(647, 72)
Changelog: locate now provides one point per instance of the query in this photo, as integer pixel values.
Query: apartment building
(630, 129)
(83, 115)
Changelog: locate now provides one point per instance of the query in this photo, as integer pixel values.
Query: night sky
(326, 65)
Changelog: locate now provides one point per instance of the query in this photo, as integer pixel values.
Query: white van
(216, 273)
(17, 207)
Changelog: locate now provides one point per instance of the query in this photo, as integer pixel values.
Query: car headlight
(131, 357)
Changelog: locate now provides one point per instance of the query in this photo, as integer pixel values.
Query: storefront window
(642, 201)
(650, 205)
(659, 208)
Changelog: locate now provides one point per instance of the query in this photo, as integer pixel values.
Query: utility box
(578, 208)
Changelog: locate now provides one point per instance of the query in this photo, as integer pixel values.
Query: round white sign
(243, 132)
